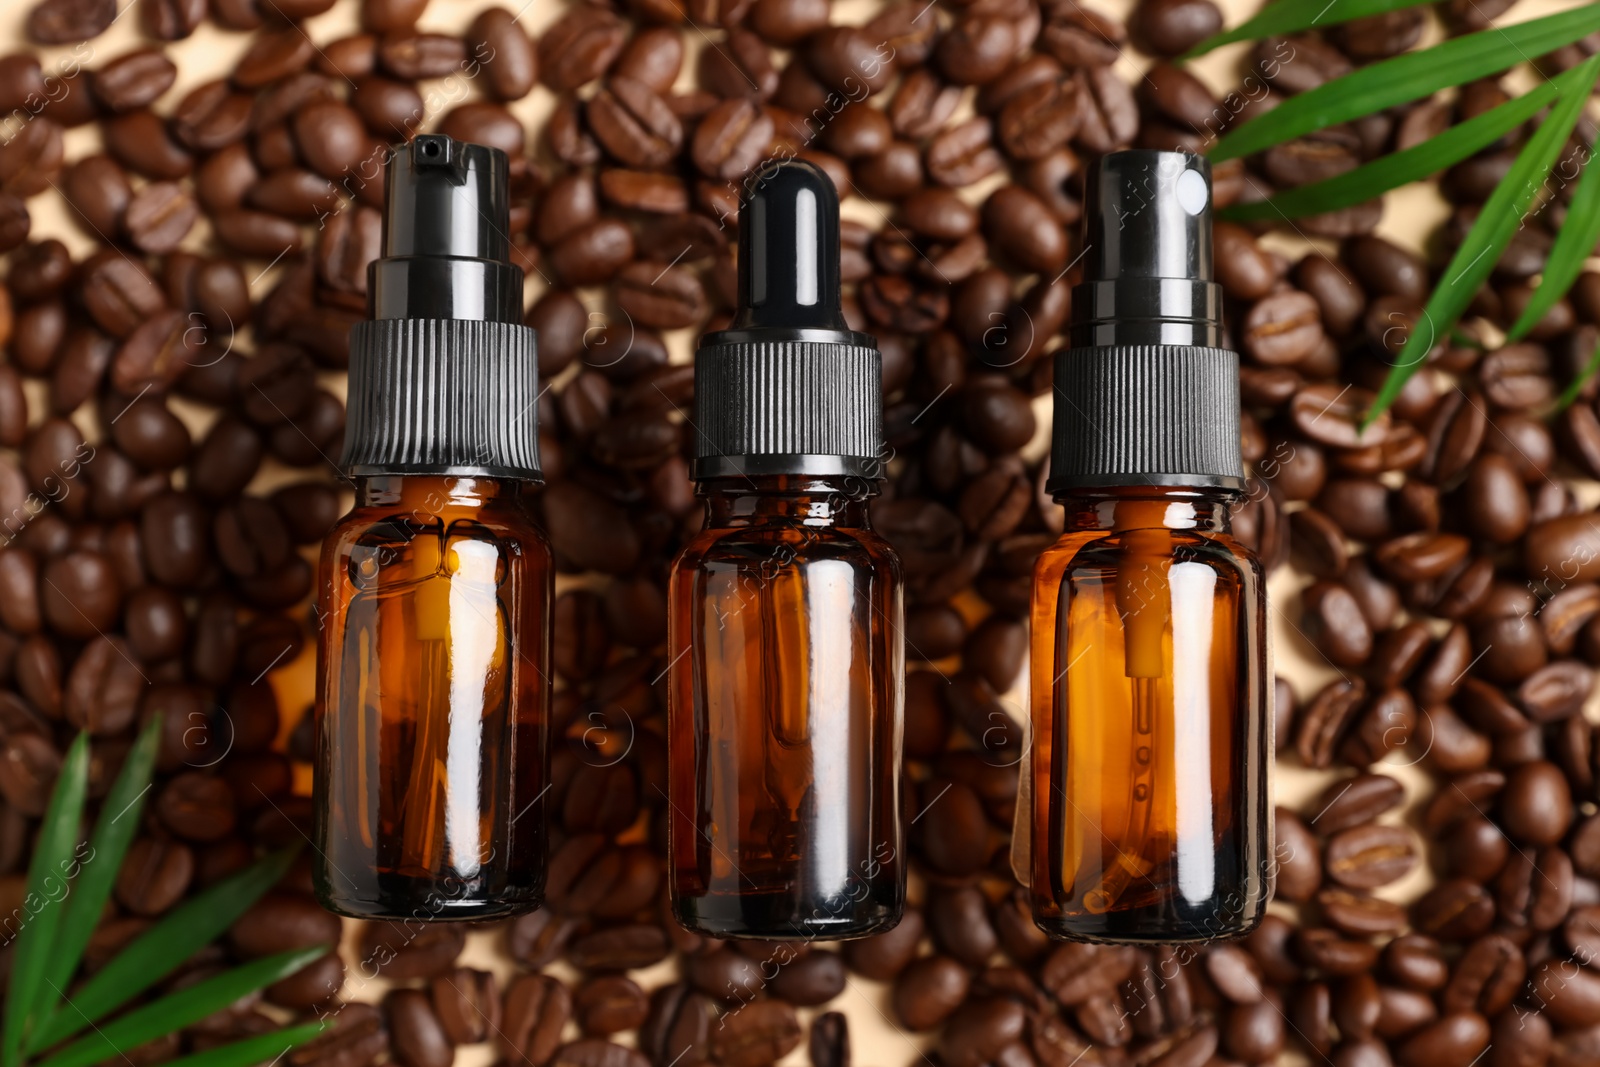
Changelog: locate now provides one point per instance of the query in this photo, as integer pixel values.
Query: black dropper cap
(788, 388)
(444, 378)
(1145, 395)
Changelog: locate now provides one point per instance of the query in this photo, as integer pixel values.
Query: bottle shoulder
(788, 545)
(499, 519)
(1102, 550)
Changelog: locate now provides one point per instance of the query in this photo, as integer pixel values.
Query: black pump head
(444, 377)
(1147, 274)
(446, 250)
(788, 388)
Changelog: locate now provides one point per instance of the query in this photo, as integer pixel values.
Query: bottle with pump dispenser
(433, 681)
(785, 610)
(1151, 733)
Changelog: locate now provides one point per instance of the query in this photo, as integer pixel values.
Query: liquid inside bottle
(432, 718)
(786, 698)
(1151, 742)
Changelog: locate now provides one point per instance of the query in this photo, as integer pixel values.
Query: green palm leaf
(177, 1010)
(1497, 223)
(161, 949)
(1399, 168)
(48, 878)
(1292, 16)
(113, 833)
(252, 1050)
(1573, 245)
(1407, 77)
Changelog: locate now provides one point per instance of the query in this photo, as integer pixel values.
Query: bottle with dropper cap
(1151, 742)
(785, 611)
(435, 592)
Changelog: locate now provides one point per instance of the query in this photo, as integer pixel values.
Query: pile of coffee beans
(1454, 574)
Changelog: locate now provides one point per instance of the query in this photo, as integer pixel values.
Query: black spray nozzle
(789, 250)
(446, 250)
(1148, 274)
(1144, 393)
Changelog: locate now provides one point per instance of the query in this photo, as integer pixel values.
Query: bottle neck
(1203, 510)
(811, 501)
(431, 492)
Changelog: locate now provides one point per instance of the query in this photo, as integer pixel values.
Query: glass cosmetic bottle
(1151, 734)
(785, 611)
(435, 592)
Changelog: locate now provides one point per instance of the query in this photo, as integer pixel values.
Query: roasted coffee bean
(133, 80)
(416, 1035)
(731, 139)
(578, 48)
(154, 875)
(103, 688)
(1170, 28)
(314, 985)
(281, 921)
(98, 189)
(882, 956)
(1283, 328)
(401, 953)
(1477, 848)
(171, 20)
(1416, 961)
(977, 49)
(622, 948)
(143, 143)
(660, 294)
(1324, 720)
(1357, 800)
(960, 923)
(1075, 973)
(1333, 621)
(980, 1029)
(155, 623)
(759, 1032)
(1464, 1034)
(829, 1044)
(634, 124)
(1366, 857)
(928, 990)
(962, 154)
(415, 56)
(1536, 806)
(813, 979)
(79, 594)
(594, 253)
(68, 21)
(610, 1004)
(357, 1036)
(196, 806)
(1021, 227)
(20, 610)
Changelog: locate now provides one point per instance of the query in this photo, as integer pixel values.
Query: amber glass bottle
(433, 687)
(1151, 738)
(785, 611)
(785, 742)
(432, 734)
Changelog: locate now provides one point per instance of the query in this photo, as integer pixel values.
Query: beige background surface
(1411, 215)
